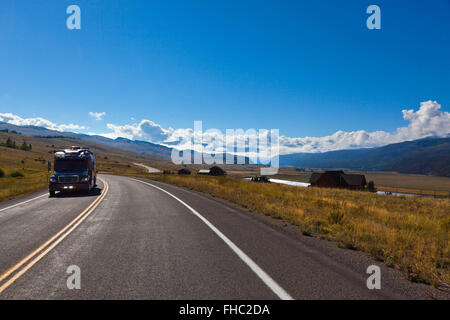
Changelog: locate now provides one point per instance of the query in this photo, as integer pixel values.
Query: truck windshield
(70, 165)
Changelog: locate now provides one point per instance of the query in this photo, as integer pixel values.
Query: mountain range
(425, 156)
(136, 146)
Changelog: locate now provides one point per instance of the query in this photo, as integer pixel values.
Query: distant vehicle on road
(74, 170)
(261, 179)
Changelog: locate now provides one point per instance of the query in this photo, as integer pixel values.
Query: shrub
(16, 174)
(184, 171)
(217, 171)
(371, 186)
(25, 146)
(335, 216)
(2, 173)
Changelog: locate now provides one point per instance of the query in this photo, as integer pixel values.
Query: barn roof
(340, 177)
(334, 171)
(354, 179)
(314, 177)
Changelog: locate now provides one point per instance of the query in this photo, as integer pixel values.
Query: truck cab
(74, 169)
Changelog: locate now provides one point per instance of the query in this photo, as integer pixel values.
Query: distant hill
(136, 146)
(424, 156)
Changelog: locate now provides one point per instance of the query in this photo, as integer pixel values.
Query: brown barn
(338, 179)
(214, 171)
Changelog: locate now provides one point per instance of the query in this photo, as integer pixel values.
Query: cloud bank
(38, 122)
(145, 130)
(429, 120)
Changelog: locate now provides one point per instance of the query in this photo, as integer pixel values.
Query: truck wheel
(52, 194)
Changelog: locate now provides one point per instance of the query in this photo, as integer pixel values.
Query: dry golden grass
(433, 193)
(412, 182)
(408, 233)
(33, 180)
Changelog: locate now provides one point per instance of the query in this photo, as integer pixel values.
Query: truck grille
(68, 179)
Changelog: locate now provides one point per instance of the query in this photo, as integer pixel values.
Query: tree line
(12, 144)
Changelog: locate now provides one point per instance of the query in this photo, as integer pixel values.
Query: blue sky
(308, 68)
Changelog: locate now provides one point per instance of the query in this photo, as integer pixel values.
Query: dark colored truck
(74, 170)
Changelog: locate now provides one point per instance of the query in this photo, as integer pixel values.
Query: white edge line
(20, 203)
(275, 287)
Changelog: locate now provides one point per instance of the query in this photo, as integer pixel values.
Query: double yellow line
(16, 271)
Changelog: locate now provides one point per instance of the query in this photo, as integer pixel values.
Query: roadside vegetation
(17, 182)
(407, 233)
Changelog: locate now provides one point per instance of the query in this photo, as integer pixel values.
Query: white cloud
(97, 115)
(145, 130)
(429, 120)
(38, 122)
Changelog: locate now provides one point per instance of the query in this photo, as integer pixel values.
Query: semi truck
(74, 169)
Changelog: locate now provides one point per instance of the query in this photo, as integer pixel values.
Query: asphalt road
(149, 169)
(135, 240)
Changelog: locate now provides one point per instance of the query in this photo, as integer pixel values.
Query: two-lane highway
(137, 239)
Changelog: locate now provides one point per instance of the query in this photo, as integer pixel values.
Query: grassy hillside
(410, 234)
(141, 147)
(33, 164)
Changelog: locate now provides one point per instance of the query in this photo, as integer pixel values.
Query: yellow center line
(51, 243)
